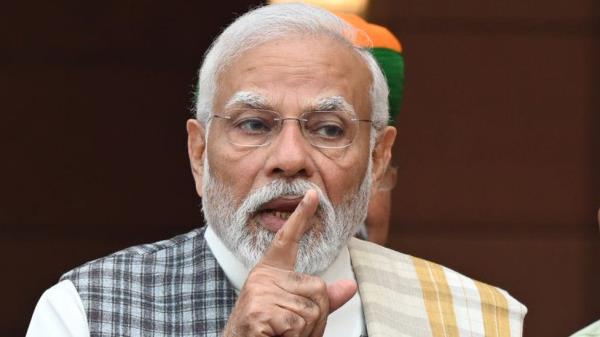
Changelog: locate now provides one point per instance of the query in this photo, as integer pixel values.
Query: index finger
(283, 250)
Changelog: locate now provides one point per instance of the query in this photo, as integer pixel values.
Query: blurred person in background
(387, 51)
(592, 330)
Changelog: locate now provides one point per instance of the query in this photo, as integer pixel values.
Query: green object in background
(387, 50)
(392, 65)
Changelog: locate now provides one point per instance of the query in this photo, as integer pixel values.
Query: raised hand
(276, 300)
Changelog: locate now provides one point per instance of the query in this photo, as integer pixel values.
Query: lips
(273, 214)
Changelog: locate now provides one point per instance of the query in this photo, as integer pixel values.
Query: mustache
(281, 188)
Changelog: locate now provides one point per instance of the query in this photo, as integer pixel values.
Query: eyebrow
(255, 100)
(247, 99)
(333, 103)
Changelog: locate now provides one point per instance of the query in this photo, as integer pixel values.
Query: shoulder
(434, 291)
(179, 250)
(136, 284)
(59, 312)
(592, 330)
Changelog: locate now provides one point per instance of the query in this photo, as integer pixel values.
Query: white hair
(272, 22)
(248, 241)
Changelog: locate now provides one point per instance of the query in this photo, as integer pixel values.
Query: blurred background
(498, 150)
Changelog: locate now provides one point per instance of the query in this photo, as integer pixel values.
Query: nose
(290, 155)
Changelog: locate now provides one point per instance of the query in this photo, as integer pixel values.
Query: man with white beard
(290, 132)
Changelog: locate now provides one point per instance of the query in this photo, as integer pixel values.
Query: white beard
(319, 246)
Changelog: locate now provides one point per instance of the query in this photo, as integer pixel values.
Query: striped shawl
(407, 296)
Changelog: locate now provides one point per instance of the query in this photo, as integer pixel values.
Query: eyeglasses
(323, 129)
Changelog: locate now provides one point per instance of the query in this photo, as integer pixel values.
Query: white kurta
(60, 312)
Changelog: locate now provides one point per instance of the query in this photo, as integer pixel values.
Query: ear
(196, 150)
(382, 153)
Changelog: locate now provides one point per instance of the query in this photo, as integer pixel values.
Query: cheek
(343, 178)
(235, 169)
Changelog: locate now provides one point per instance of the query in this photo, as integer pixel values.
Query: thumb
(339, 293)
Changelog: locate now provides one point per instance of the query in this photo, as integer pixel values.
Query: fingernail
(308, 196)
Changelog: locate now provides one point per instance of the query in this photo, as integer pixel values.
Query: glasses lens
(330, 129)
(250, 127)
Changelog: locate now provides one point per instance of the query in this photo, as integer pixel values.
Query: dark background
(498, 147)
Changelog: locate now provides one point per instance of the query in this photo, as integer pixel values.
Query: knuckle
(247, 327)
(256, 315)
(290, 320)
(308, 309)
(297, 277)
(261, 330)
(252, 288)
(300, 324)
(294, 322)
(314, 313)
(319, 292)
(259, 277)
(320, 285)
(305, 303)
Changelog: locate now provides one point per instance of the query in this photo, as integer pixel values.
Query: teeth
(282, 215)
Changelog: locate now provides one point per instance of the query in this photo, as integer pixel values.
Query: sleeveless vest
(169, 288)
(177, 288)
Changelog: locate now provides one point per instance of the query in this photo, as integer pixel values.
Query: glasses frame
(302, 122)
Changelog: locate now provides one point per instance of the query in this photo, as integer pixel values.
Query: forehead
(298, 71)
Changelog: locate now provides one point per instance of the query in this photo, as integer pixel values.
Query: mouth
(273, 214)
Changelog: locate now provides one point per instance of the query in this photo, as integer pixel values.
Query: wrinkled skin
(275, 300)
(291, 74)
